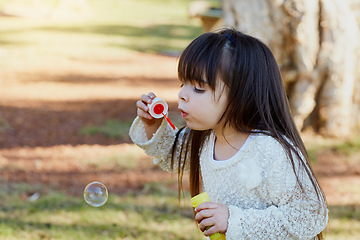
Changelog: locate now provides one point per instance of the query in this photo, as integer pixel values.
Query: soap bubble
(95, 194)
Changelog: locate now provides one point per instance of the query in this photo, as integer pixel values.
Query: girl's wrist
(151, 126)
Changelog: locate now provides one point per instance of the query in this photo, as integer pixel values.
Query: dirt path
(45, 106)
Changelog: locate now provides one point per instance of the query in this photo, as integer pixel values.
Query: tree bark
(317, 48)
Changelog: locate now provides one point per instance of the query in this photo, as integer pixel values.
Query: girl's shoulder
(265, 140)
(267, 145)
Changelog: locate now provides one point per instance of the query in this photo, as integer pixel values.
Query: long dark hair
(256, 96)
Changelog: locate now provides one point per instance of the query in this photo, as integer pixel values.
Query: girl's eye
(197, 90)
(181, 85)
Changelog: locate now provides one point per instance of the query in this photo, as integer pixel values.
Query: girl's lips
(183, 114)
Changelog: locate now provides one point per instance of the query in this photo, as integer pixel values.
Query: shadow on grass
(60, 122)
(54, 123)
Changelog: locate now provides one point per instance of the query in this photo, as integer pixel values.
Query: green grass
(150, 214)
(111, 128)
(347, 149)
(344, 222)
(116, 27)
(119, 27)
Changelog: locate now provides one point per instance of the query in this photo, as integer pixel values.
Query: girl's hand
(212, 215)
(142, 106)
(151, 124)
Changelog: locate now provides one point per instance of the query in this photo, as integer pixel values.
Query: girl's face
(201, 107)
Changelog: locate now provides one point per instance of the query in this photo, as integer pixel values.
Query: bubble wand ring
(158, 109)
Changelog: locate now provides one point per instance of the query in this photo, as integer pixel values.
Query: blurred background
(72, 70)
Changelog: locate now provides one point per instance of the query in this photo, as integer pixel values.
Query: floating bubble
(95, 194)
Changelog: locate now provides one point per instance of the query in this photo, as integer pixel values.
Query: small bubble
(95, 194)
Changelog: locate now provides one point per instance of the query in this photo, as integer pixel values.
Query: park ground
(44, 112)
(67, 99)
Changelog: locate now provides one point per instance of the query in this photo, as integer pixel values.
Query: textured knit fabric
(257, 184)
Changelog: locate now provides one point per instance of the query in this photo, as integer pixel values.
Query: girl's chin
(195, 127)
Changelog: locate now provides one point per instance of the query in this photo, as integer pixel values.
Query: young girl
(240, 143)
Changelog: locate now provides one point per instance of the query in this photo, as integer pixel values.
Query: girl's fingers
(143, 114)
(147, 99)
(209, 226)
(213, 216)
(210, 231)
(206, 205)
(151, 95)
(142, 110)
(203, 214)
(207, 222)
(142, 105)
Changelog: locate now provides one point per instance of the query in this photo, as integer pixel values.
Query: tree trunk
(316, 44)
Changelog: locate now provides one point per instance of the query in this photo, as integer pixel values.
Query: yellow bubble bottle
(199, 199)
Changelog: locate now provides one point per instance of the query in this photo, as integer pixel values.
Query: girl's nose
(182, 95)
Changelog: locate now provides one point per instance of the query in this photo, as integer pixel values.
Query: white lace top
(258, 185)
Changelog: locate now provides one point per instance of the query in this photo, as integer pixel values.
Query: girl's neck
(228, 142)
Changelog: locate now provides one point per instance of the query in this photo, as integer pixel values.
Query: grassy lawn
(114, 27)
(118, 27)
(150, 214)
(344, 205)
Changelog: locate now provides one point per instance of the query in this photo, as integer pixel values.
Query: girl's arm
(155, 136)
(295, 213)
(160, 145)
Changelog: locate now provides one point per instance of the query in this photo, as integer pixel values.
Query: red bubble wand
(157, 109)
(169, 121)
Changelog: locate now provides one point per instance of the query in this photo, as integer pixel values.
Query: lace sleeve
(160, 145)
(294, 213)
